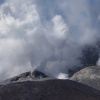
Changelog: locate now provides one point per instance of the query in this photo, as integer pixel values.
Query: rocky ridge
(89, 76)
(27, 76)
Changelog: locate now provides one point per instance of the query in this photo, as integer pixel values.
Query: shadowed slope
(48, 90)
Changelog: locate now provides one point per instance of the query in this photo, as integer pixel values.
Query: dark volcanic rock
(89, 76)
(48, 90)
(27, 76)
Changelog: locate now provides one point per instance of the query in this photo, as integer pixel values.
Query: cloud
(46, 35)
(62, 76)
(60, 28)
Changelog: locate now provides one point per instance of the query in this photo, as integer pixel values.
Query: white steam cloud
(47, 35)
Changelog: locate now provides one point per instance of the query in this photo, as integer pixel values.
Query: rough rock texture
(27, 76)
(48, 90)
(89, 76)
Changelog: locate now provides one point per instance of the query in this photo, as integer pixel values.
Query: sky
(47, 35)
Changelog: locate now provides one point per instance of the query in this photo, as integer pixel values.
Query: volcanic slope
(89, 76)
(50, 89)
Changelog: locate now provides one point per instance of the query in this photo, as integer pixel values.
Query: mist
(47, 35)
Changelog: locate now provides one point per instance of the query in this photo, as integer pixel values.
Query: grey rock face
(48, 90)
(89, 76)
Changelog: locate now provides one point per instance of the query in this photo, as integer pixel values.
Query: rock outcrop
(27, 76)
(89, 76)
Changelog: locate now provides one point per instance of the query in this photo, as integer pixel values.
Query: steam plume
(47, 35)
